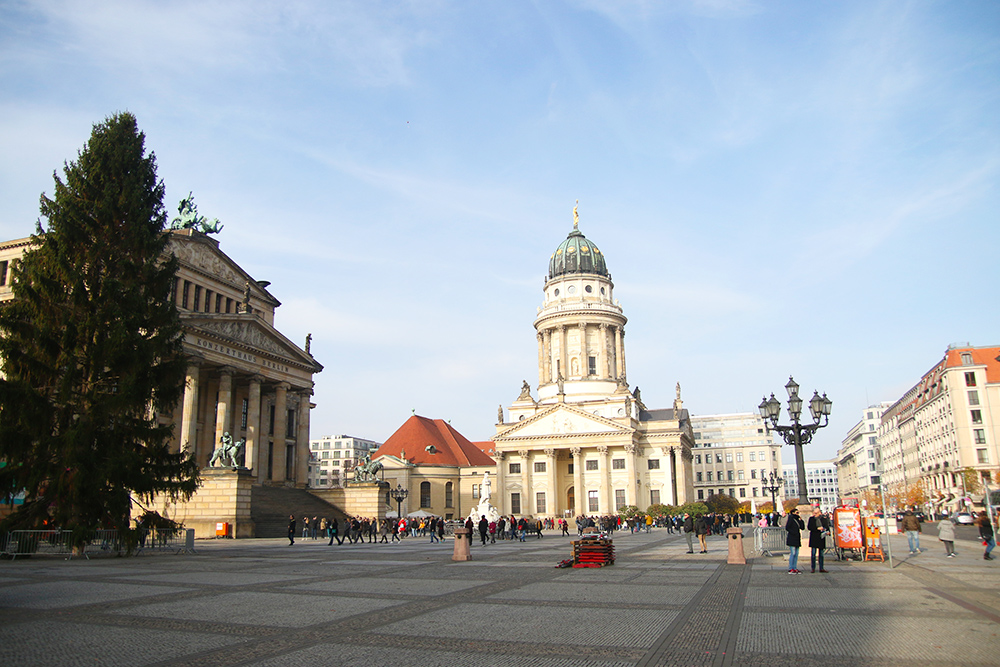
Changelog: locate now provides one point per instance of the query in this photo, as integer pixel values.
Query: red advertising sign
(847, 528)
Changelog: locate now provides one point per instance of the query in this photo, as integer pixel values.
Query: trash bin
(462, 538)
(735, 538)
(222, 529)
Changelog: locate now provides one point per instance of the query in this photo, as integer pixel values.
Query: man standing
(818, 526)
(911, 526)
(484, 526)
(689, 532)
(793, 540)
(291, 529)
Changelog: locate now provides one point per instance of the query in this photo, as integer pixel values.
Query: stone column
(541, 358)
(621, 360)
(547, 343)
(207, 432)
(602, 353)
(280, 425)
(525, 482)
(189, 418)
(606, 504)
(579, 493)
(584, 358)
(500, 497)
(302, 440)
(618, 353)
(224, 406)
(251, 454)
(552, 500)
(564, 352)
(631, 495)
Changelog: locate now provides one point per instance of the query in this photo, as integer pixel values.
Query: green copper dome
(577, 255)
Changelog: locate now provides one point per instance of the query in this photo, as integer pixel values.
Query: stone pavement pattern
(262, 602)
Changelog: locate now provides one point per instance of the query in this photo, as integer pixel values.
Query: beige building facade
(734, 454)
(585, 443)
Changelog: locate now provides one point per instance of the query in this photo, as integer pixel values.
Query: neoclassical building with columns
(244, 377)
(585, 443)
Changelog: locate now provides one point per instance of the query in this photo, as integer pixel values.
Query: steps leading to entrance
(271, 505)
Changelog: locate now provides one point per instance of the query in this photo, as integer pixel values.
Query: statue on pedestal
(484, 508)
(228, 451)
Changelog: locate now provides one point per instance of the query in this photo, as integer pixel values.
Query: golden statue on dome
(576, 215)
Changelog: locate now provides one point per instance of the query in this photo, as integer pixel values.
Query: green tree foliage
(694, 509)
(629, 511)
(659, 509)
(91, 346)
(721, 503)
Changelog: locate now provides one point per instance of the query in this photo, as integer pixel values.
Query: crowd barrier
(22, 543)
(769, 540)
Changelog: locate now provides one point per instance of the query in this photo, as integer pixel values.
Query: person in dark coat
(794, 527)
(819, 527)
(701, 529)
(484, 527)
(986, 535)
(689, 531)
(291, 529)
(333, 528)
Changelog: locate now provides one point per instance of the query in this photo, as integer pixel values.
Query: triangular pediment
(562, 420)
(247, 333)
(198, 252)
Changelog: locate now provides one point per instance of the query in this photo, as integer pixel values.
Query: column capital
(602, 449)
(499, 456)
(284, 386)
(575, 451)
(550, 452)
(523, 453)
(631, 448)
(225, 370)
(259, 379)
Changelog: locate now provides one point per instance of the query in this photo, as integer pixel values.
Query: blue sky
(779, 187)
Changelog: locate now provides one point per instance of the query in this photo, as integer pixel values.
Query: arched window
(425, 494)
(448, 495)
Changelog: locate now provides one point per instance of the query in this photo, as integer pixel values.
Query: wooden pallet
(593, 553)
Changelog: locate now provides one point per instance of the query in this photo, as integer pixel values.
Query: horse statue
(228, 449)
(189, 218)
(367, 470)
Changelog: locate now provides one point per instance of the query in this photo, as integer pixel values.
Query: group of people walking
(355, 530)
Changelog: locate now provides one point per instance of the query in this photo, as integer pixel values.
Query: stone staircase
(271, 505)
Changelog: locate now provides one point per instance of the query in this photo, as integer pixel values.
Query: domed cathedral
(586, 444)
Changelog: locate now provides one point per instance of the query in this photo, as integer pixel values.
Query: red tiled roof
(412, 440)
(987, 356)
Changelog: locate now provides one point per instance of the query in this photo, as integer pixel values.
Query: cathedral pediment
(200, 253)
(563, 420)
(244, 337)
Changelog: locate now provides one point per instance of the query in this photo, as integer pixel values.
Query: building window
(754, 491)
(982, 456)
(708, 475)
(592, 365)
(753, 456)
(475, 490)
(701, 494)
(184, 295)
(590, 464)
(711, 493)
(653, 464)
(973, 398)
(729, 457)
(540, 502)
(740, 475)
(729, 475)
(739, 457)
(270, 429)
(977, 417)
(619, 499)
(699, 477)
(208, 300)
(539, 466)
(966, 358)
(718, 458)
(3, 273)
(569, 469)
(425, 494)
(515, 503)
(697, 459)
(970, 379)
(290, 424)
(980, 435)
(514, 468)
(753, 473)
(243, 413)
(449, 495)
(592, 505)
(197, 299)
(654, 496)
(618, 464)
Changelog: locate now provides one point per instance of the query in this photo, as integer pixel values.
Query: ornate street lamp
(796, 433)
(772, 487)
(399, 495)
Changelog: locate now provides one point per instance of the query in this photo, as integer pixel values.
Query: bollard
(462, 551)
(736, 555)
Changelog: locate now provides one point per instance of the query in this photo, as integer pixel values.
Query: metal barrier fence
(769, 540)
(21, 543)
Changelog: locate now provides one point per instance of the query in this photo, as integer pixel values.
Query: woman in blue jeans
(794, 527)
(986, 533)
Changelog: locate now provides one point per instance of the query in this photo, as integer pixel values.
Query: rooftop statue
(189, 218)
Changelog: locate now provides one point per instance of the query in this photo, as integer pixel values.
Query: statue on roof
(576, 215)
(500, 414)
(189, 218)
(525, 391)
(309, 340)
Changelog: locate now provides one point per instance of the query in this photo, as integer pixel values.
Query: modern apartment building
(733, 454)
(333, 458)
(821, 483)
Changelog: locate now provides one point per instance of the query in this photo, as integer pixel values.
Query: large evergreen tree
(90, 346)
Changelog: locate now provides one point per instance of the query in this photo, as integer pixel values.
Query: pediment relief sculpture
(245, 333)
(202, 257)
